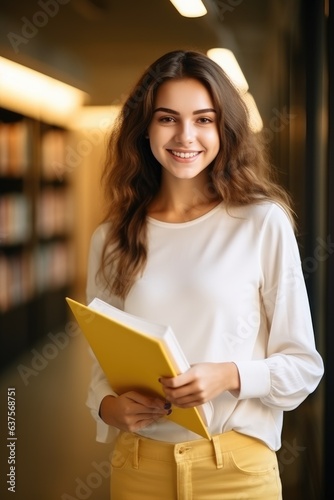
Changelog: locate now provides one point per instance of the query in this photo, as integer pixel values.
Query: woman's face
(183, 132)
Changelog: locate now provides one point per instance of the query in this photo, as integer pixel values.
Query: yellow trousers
(230, 467)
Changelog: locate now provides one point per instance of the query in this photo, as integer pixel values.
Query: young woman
(197, 236)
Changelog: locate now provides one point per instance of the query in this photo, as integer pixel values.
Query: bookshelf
(36, 248)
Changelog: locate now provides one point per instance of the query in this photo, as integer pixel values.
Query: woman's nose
(185, 133)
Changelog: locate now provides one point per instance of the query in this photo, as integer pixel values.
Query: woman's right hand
(132, 411)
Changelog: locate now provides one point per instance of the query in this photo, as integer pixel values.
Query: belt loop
(218, 451)
(135, 462)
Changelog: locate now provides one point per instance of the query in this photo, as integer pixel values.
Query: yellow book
(134, 353)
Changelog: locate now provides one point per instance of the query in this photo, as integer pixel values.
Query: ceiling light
(227, 61)
(254, 117)
(190, 8)
(37, 95)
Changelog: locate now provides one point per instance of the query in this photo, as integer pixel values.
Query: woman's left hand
(201, 383)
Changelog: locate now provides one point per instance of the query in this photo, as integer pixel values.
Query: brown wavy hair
(240, 174)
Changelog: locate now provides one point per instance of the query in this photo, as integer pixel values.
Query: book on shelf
(53, 144)
(16, 279)
(15, 150)
(15, 219)
(134, 353)
(54, 265)
(54, 212)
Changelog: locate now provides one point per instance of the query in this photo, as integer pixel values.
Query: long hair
(240, 173)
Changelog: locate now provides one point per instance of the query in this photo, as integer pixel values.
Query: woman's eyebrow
(173, 112)
(167, 110)
(206, 110)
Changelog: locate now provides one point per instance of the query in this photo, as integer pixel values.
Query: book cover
(134, 353)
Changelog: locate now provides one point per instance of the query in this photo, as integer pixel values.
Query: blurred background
(65, 68)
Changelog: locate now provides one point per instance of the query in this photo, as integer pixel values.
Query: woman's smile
(183, 131)
(184, 155)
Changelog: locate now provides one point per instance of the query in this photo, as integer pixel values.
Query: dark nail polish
(167, 406)
(169, 412)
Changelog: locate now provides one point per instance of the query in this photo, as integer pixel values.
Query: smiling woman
(184, 140)
(238, 174)
(199, 237)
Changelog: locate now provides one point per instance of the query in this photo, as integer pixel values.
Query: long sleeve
(99, 386)
(292, 367)
(237, 293)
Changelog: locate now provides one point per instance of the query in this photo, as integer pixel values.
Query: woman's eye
(205, 120)
(166, 119)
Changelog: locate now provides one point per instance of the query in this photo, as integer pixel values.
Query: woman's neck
(181, 200)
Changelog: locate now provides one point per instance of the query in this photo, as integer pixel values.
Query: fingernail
(169, 412)
(167, 406)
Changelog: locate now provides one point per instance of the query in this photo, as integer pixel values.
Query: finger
(149, 416)
(173, 394)
(141, 424)
(187, 405)
(188, 402)
(174, 382)
(147, 401)
(187, 395)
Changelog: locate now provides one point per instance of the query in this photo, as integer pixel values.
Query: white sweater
(232, 288)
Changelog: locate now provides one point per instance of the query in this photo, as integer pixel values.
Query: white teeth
(185, 155)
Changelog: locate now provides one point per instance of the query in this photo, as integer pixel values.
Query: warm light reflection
(94, 117)
(190, 8)
(254, 117)
(35, 94)
(227, 61)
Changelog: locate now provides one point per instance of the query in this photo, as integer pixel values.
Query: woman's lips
(184, 154)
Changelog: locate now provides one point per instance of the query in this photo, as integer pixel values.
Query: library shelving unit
(36, 257)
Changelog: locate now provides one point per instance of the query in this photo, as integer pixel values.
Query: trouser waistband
(174, 452)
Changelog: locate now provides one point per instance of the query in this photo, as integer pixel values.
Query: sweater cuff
(254, 379)
(101, 390)
(104, 433)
